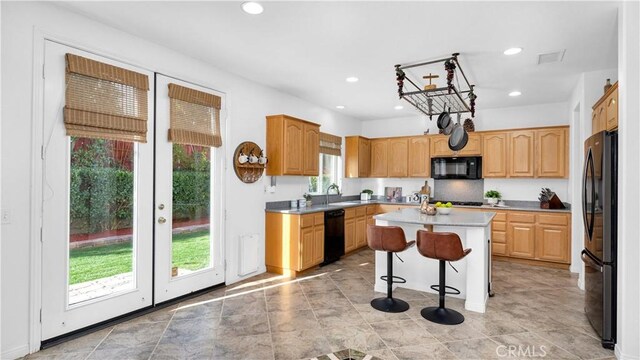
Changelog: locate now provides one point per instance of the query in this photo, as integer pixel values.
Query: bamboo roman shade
(104, 101)
(330, 144)
(195, 117)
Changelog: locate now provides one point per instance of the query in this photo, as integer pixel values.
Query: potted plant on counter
(308, 198)
(365, 195)
(492, 197)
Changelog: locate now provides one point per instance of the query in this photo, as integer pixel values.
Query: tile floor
(536, 312)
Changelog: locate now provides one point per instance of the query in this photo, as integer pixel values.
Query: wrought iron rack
(434, 101)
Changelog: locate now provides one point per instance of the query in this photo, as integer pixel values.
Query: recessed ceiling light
(252, 7)
(513, 51)
(398, 107)
(352, 79)
(340, 107)
(515, 93)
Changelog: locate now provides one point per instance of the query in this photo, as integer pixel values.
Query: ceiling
(307, 49)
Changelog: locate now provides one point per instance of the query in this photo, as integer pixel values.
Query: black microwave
(457, 168)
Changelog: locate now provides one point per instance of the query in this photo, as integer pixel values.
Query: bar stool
(444, 247)
(392, 240)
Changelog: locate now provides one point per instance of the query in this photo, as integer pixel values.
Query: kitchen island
(473, 274)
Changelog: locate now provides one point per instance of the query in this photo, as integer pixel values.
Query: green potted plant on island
(492, 197)
(365, 195)
(308, 198)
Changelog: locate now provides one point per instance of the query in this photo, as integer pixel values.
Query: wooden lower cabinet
(521, 240)
(349, 230)
(541, 237)
(294, 243)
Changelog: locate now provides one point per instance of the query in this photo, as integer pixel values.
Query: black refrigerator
(599, 209)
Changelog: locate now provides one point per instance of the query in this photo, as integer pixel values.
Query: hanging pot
(459, 138)
(447, 130)
(444, 119)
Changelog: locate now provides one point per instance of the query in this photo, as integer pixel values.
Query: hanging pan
(459, 137)
(444, 119)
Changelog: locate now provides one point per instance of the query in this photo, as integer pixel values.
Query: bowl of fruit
(444, 208)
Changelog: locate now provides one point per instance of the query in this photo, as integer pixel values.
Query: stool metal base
(389, 305)
(441, 315)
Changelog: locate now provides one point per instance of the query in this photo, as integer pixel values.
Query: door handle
(586, 258)
(161, 220)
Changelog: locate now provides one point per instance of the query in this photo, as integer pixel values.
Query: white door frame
(40, 36)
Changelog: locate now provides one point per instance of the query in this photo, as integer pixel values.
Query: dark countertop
(517, 205)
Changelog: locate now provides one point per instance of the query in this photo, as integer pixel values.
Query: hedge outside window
(330, 166)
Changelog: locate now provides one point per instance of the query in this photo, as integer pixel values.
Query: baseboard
(621, 356)
(580, 284)
(15, 353)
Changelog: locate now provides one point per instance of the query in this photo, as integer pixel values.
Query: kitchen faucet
(332, 186)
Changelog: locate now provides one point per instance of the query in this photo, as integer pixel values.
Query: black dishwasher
(333, 236)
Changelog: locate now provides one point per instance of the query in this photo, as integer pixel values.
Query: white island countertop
(455, 218)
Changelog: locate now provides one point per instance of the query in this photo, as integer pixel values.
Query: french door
(189, 216)
(97, 238)
(100, 210)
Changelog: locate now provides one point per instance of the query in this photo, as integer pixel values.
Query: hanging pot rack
(434, 101)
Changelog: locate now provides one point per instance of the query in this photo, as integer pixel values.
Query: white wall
(486, 119)
(628, 346)
(247, 104)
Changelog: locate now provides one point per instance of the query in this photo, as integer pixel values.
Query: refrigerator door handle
(587, 259)
(584, 192)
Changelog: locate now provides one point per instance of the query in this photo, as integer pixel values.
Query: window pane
(101, 213)
(191, 235)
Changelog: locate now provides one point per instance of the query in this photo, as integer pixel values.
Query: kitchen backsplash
(458, 190)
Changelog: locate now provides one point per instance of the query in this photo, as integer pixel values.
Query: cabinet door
(494, 159)
(361, 231)
(612, 110)
(398, 158)
(473, 147)
(521, 240)
(440, 146)
(318, 244)
(307, 248)
(551, 153)
(349, 235)
(419, 159)
(311, 150)
(293, 145)
(552, 243)
(602, 117)
(521, 153)
(594, 121)
(364, 157)
(379, 157)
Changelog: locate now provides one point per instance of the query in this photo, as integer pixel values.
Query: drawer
(499, 249)
(499, 237)
(500, 216)
(553, 219)
(361, 211)
(318, 219)
(371, 209)
(349, 213)
(522, 217)
(307, 220)
(498, 226)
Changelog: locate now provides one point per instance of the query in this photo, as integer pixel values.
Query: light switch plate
(6, 216)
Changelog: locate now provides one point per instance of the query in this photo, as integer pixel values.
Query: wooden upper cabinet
(440, 146)
(293, 146)
(494, 158)
(379, 157)
(398, 157)
(612, 109)
(521, 153)
(419, 159)
(552, 152)
(311, 148)
(357, 157)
